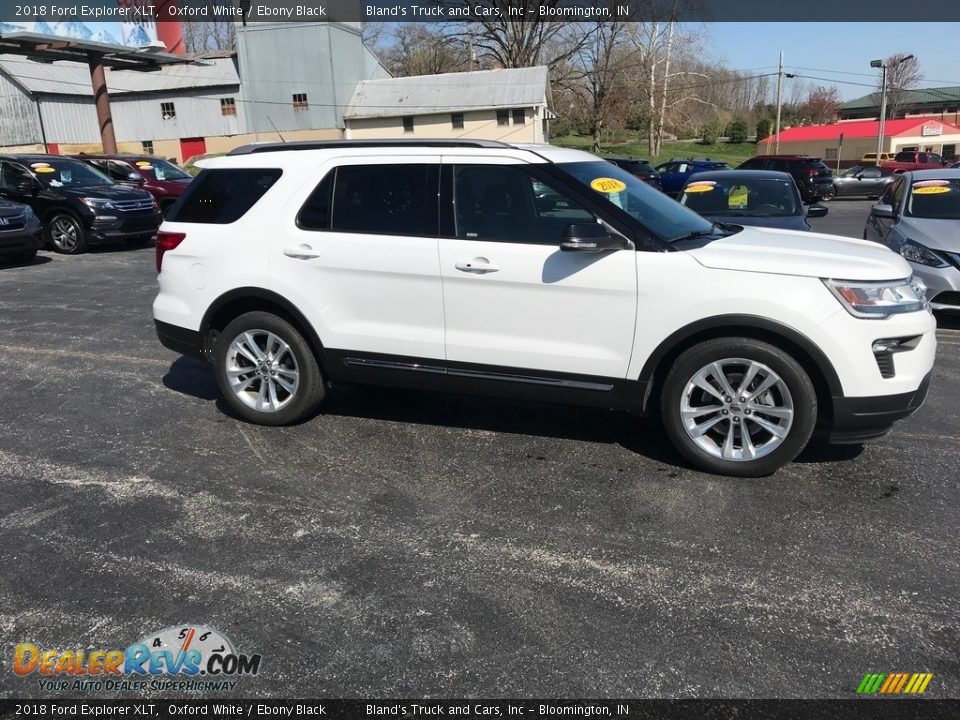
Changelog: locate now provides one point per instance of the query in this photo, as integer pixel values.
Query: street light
(883, 98)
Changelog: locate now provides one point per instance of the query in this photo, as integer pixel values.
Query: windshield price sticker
(608, 185)
(700, 186)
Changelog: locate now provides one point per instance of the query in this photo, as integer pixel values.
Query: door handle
(478, 266)
(301, 252)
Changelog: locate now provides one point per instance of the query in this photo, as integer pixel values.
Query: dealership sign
(931, 129)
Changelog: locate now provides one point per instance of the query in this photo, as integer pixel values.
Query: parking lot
(404, 544)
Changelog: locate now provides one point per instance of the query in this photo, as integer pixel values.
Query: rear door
(359, 252)
(521, 315)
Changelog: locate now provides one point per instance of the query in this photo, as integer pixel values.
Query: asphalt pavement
(417, 545)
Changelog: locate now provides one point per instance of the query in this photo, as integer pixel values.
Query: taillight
(167, 241)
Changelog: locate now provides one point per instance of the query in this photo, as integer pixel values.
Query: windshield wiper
(714, 227)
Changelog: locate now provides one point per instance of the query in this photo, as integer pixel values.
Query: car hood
(791, 252)
(104, 192)
(783, 222)
(936, 234)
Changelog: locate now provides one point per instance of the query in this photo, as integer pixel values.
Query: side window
(870, 172)
(10, 176)
(223, 196)
(315, 213)
(505, 203)
(899, 187)
(119, 171)
(386, 199)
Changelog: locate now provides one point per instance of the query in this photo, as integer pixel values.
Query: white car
(533, 272)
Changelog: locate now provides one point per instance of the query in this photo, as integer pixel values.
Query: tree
(208, 36)
(421, 49)
(764, 128)
(737, 131)
(822, 104)
(902, 75)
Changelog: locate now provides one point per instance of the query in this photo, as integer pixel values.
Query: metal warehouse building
(285, 81)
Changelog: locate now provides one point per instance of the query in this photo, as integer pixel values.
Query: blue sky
(842, 48)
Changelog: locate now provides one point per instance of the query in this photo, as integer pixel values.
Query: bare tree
(422, 49)
(822, 104)
(902, 75)
(209, 36)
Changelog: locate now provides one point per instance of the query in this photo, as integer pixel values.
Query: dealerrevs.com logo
(186, 657)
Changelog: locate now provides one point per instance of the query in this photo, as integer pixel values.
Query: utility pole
(776, 133)
(883, 99)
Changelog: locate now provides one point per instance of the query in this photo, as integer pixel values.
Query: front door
(519, 310)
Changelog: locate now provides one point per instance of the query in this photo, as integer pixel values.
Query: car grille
(13, 223)
(948, 297)
(129, 205)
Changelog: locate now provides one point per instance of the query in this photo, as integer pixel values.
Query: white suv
(534, 272)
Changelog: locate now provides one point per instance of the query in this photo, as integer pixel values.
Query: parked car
(813, 178)
(910, 160)
(955, 165)
(871, 158)
(291, 265)
(918, 216)
(674, 174)
(862, 181)
(638, 168)
(21, 234)
(749, 197)
(159, 177)
(77, 204)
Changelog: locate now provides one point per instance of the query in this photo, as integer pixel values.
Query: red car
(161, 178)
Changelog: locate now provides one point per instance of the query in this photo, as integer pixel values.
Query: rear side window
(386, 199)
(223, 196)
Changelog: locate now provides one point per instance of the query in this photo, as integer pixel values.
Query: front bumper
(110, 228)
(20, 239)
(943, 285)
(859, 419)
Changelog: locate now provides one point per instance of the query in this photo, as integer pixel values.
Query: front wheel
(266, 370)
(738, 407)
(829, 194)
(66, 234)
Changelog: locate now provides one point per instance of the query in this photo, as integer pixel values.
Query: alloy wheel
(65, 234)
(262, 370)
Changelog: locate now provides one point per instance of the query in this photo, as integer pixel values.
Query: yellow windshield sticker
(608, 185)
(930, 190)
(698, 187)
(738, 197)
(46, 169)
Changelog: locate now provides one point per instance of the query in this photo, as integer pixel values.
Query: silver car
(919, 217)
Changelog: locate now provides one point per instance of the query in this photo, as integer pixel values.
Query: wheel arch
(816, 364)
(238, 301)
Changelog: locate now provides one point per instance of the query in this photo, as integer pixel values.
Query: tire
(780, 420)
(296, 380)
(830, 195)
(65, 233)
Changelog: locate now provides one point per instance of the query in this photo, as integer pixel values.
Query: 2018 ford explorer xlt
(438, 265)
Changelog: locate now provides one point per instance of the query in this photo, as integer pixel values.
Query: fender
(639, 395)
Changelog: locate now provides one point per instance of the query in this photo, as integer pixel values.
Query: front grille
(947, 297)
(13, 223)
(129, 205)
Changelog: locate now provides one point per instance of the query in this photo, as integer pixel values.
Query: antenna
(270, 120)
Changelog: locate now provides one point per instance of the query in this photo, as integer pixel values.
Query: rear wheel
(266, 370)
(738, 407)
(66, 234)
(829, 194)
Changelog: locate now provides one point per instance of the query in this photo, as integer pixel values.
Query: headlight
(877, 300)
(96, 204)
(920, 254)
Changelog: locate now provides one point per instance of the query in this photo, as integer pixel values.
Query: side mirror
(882, 210)
(859, 176)
(590, 237)
(817, 211)
(135, 178)
(26, 186)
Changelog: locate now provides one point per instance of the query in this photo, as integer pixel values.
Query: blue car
(762, 198)
(674, 174)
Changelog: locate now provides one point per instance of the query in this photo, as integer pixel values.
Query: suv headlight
(97, 204)
(878, 300)
(921, 254)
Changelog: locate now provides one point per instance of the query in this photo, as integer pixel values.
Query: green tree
(764, 128)
(737, 131)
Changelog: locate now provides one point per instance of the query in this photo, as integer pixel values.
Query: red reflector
(167, 241)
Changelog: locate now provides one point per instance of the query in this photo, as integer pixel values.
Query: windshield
(162, 170)
(741, 198)
(68, 173)
(935, 199)
(665, 218)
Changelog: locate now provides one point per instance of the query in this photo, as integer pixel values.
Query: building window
(228, 106)
(456, 120)
(147, 146)
(519, 116)
(168, 111)
(503, 117)
(408, 123)
(300, 101)
(830, 154)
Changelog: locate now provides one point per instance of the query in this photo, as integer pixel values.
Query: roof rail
(329, 144)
